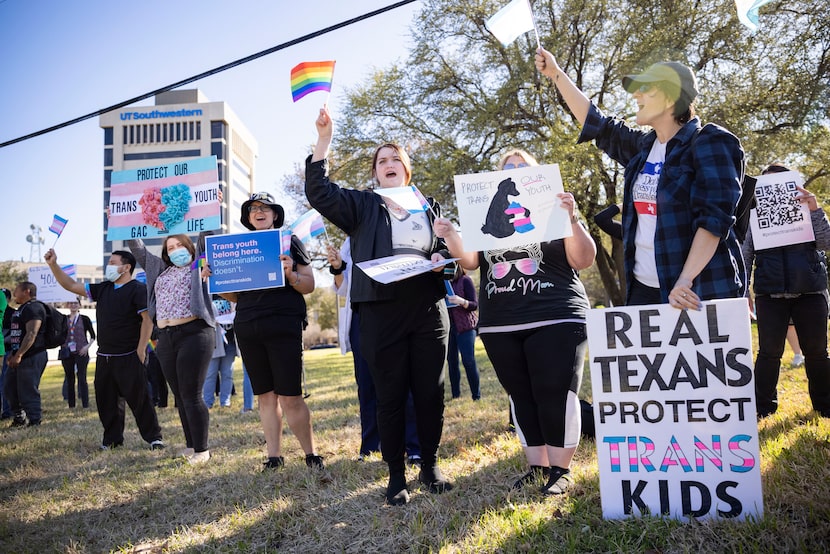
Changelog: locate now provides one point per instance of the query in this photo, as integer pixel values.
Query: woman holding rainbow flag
(403, 325)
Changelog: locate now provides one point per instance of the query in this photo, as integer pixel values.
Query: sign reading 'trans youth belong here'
(244, 261)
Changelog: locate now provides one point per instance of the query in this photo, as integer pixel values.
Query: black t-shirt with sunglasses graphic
(528, 285)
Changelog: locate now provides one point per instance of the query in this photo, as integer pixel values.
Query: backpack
(746, 201)
(55, 327)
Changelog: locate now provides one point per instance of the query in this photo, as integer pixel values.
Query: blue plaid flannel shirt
(694, 190)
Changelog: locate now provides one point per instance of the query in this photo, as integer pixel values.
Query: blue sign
(244, 261)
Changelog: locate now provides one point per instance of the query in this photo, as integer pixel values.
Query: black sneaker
(274, 462)
(536, 473)
(157, 444)
(559, 481)
(19, 421)
(434, 479)
(314, 461)
(414, 460)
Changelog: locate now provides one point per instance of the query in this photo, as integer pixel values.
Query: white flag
(748, 11)
(511, 21)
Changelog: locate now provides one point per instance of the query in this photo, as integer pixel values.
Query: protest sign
(181, 197)
(780, 219)
(674, 408)
(244, 261)
(396, 268)
(503, 209)
(48, 289)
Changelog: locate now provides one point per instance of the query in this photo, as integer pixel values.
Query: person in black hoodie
(790, 282)
(403, 325)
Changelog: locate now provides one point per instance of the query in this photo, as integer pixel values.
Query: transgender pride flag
(58, 223)
(308, 77)
(308, 226)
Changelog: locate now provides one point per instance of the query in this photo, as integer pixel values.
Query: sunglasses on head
(526, 266)
(514, 166)
(262, 197)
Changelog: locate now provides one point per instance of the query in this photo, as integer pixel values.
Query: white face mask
(112, 272)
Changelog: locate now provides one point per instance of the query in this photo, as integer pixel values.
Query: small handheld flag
(308, 226)
(408, 198)
(58, 223)
(748, 11)
(308, 77)
(512, 21)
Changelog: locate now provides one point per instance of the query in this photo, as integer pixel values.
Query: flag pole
(535, 30)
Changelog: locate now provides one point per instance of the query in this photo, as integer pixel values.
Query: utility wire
(214, 71)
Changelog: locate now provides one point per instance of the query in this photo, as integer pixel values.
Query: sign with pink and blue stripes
(181, 197)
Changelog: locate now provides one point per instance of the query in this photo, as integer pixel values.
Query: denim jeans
(23, 386)
(464, 344)
(247, 391)
(809, 315)
(222, 366)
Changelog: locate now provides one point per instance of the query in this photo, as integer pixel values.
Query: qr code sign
(777, 205)
(272, 276)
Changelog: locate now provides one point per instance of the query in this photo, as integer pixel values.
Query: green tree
(462, 98)
(10, 275)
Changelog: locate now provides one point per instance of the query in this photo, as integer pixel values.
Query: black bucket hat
(264, 198)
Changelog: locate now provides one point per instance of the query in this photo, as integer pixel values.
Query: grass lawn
(60, 493)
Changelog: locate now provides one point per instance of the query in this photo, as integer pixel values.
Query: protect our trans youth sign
(181, 197)
(503, 209)
(674, 407)
(244, 261)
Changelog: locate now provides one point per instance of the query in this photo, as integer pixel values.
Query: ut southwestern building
(181, 125)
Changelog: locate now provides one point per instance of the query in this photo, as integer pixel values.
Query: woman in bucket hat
(269, 327)
(682, 185)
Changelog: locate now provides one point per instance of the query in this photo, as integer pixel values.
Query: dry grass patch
(59, 493)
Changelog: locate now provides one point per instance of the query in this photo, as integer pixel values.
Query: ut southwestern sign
(157, 114)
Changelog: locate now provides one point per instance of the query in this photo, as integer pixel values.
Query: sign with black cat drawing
(504, 209)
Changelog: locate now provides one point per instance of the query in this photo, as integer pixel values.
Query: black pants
(809, 315)
(158, 384)
(75, 360)
(405, 345)
(119, 379)
(543, 388)
(184, 353)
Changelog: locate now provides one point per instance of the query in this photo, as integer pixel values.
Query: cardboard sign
(780, 219)
(181, 197)
(396, 268)
(674, 407)
(48, 289)
(504, 209)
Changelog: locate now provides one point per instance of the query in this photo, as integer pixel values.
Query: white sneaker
(798, 360)
(199, 457)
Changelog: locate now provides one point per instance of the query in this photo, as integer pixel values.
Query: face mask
(112, 273)
(180, 257)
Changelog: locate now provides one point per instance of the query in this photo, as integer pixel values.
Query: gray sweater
(200, 302)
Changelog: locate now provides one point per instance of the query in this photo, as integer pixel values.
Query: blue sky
(61, 60)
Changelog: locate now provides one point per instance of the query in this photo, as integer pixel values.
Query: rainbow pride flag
(308, 77)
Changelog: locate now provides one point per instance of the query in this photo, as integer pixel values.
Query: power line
(214, 71)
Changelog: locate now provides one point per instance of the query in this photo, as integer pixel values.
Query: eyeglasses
(253, 208)
(514, 166)
(526, 266)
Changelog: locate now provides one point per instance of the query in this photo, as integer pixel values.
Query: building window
(124, 139)
(164, 128)
(198, 130)
(178, 130)
(108, 157)
(144, 133)
(217, 149)
(132, 134)
(217, 130)
(107, 136)
(107, 178)
(192, 134)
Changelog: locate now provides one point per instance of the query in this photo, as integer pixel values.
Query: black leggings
(541, 370)
(184, 353)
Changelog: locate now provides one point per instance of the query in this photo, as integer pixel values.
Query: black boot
(396, 492)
